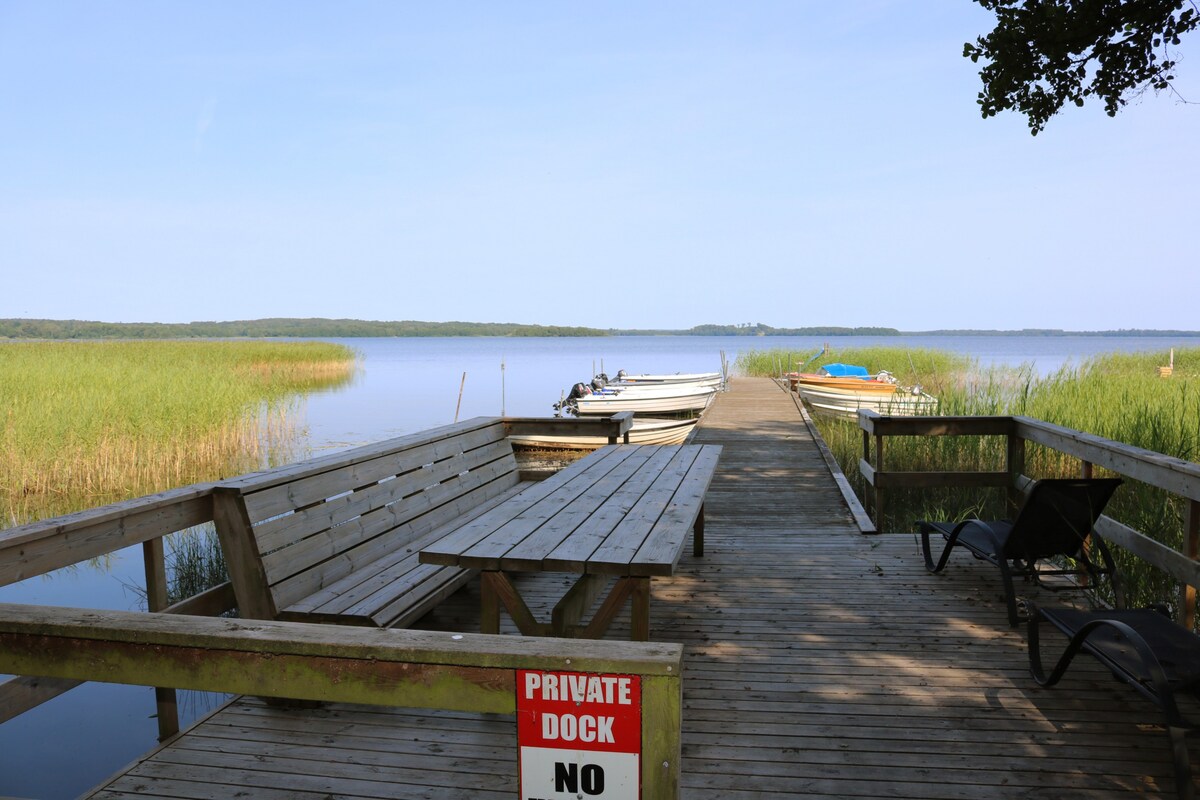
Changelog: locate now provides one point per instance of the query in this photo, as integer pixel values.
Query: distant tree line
(759, 329)
(1127, 332)
(264, 328)
(352, 328)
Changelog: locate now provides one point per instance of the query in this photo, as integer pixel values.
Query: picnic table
(623, 512)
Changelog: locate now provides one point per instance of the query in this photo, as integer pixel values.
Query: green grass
(88, 423)
(1117, 396)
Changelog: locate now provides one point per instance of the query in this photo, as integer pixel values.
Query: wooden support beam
(1175, 475)
(1015, 463)
(1191, 550)
(44, 546)
(155, 564)
(929, 480)
(579, 598)
(21, 693)
(1170, 561)
(639, 611)
(416, 669)
(497, 591)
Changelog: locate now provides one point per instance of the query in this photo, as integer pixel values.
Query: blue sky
(648, 165)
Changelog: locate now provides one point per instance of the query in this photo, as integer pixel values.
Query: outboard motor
(604, 377)
(577, 391)
(597, 383)
(621, 374)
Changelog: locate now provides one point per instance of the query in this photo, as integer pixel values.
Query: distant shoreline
(49, 329)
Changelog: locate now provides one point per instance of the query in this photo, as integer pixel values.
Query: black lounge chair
(1143, 648)
(1055, 520)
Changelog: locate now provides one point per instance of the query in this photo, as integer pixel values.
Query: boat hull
(645, 430)
(861, 385)
(645, 402)
(698, 379)
(836, 401)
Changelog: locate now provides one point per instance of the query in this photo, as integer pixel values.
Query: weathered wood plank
(450, 548)
(1173, 474)
(619, 550)
(145, 649)
(397, 523)
(586, 512)
(279, 475)
(574, 555)
(612, 427)
(273, 533)
(40, 547)
(391, 575)
(551, 510)
(662, 549)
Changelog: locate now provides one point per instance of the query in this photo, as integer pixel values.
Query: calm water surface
(72, 743)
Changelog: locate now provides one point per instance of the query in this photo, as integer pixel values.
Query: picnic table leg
(698, 533)
(497, 590)
(639, 611)
(489, 605)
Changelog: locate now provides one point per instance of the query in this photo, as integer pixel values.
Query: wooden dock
(819, 662)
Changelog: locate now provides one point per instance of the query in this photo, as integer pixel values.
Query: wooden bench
(335, 539)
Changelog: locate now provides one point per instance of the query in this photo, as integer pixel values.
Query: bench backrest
(290, 531)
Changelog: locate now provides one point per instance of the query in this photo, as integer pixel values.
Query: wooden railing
(1173, 475)
(41, 547)
(405, 668)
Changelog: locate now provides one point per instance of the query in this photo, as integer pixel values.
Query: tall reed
(87, 423)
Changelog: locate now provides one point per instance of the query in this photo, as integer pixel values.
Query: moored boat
(843, 389)
(679, 394)
(645, 430)
(664, 400)
(846, 376)
(713, 379)
(845, 402)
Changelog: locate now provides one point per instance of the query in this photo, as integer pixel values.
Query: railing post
(879, 525)
(154, 559)
(1191, 548)
(1085, 472)
(662, 709)
(1016, 468)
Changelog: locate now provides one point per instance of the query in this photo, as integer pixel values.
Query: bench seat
(393, 591)
(336, 539)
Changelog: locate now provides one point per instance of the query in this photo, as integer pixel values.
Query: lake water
(72, 743)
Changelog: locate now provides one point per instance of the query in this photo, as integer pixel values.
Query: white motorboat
(713, 379)
(666, 399)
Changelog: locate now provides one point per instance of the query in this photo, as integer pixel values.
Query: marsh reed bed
(1118, 396)
(88, 423)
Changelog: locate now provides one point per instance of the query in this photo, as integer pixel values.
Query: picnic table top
(621, 510)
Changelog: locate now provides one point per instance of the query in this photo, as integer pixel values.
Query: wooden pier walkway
(819, 662)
